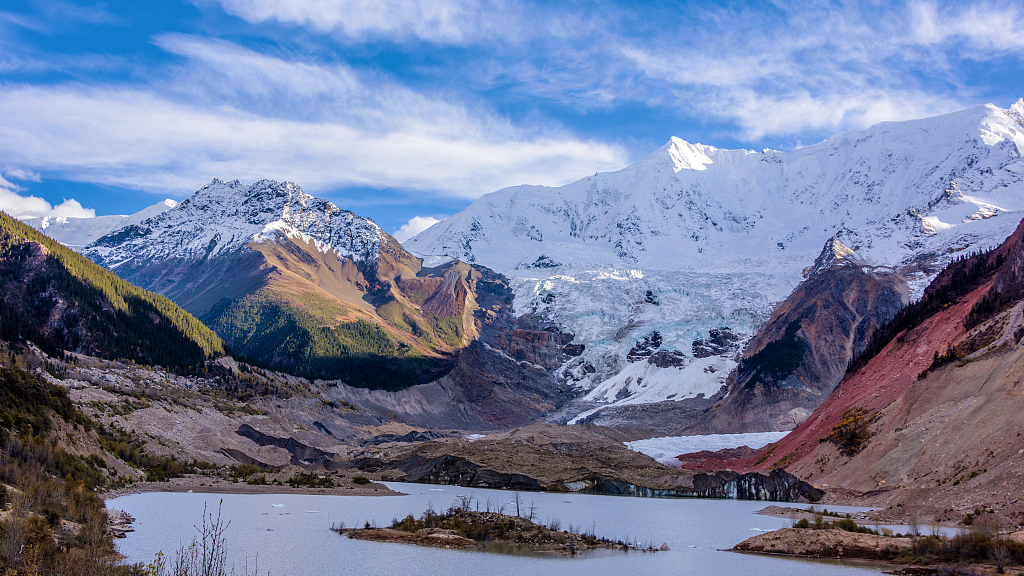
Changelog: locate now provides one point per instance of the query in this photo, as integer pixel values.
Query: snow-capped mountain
(77, 233)
(303, 286)
(694, 238)
(222, 217)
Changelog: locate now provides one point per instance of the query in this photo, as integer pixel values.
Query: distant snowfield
(666, 448)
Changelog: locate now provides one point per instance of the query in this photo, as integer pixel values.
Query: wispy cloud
(983, 27)
(441, 21)
(363, 130)
(50, 15)
(23, 174)
(805, 67)
(414, 226)
(770, 70)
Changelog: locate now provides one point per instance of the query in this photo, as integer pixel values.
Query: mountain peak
(226, 216)
(681, 155)
(833, 254)
(1016, 111)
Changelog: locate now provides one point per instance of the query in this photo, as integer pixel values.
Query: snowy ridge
(694, 237)
(224, 217)
(76, 233)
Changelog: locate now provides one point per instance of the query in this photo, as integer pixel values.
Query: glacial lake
(290, 534)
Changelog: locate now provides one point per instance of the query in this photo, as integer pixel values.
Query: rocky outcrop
(719, 341)
(414, 436)
(301, 453)
(457, 471)
(834, 253)
(778, 485)
(533, 340)
(645, 348)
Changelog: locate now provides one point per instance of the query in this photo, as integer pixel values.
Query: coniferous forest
(61, 301)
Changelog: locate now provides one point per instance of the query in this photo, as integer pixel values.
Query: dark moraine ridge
(578, 459)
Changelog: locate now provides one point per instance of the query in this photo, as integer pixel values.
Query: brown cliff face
(934, 418)
(795, 361)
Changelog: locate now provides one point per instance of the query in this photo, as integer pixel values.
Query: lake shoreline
(206, 485)
(831, 543)
(292, 534)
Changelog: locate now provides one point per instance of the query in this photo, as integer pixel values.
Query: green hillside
(61, 301)
(306, 341)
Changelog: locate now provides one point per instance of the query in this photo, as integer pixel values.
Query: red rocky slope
(944, 442)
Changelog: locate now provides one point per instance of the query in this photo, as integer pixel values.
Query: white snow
(666, 449)
(721, 236)
(223, 217)
(76, 233)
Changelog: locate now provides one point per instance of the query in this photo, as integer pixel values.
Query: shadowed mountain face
(297, 284)
(62, 302)
(793, 364)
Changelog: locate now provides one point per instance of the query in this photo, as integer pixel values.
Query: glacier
(694, 238)
(666, 448)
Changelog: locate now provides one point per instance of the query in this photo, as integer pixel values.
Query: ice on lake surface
(304, 545)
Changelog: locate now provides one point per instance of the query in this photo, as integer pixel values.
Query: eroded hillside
(929, 420)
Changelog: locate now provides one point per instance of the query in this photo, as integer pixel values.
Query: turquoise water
(289, 534)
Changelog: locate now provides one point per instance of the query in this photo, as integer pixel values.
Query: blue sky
(398, 109)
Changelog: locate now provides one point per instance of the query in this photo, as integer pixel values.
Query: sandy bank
(825, 544)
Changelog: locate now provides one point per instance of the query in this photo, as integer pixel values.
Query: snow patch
(666, 449)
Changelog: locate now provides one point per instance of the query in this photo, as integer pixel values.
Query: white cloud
(25, 206)
(414, 226)
(141, 140)
(984, 27)
(446, 21)
(772, 70)
(22, 174)
(234, 113)
(4, 183)
(789, 71)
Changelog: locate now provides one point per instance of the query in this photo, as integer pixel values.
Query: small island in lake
(463, 528)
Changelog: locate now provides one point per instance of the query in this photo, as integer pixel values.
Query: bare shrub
(999, 553)
(207, 554)
(985, 525)
(12, 541)
(464, 501)
(914, 525)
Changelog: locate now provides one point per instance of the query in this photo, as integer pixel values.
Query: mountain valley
(730, 292)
